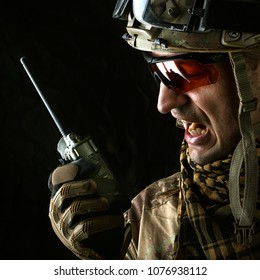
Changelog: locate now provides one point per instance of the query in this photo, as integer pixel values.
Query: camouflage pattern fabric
(188, 216)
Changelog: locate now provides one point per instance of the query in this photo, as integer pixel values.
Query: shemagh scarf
(207, 230)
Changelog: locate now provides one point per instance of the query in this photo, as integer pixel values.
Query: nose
(170, 98)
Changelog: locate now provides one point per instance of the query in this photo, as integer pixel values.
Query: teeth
(195, 130)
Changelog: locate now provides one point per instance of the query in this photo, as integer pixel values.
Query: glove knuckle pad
(72, 190)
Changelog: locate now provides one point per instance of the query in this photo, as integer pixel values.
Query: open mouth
(194, 129)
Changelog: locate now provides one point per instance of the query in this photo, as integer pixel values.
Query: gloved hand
(87, 214)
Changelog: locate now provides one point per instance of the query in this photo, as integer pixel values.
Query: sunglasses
(186, 71)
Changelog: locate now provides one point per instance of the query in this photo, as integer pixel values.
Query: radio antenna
(54, 117)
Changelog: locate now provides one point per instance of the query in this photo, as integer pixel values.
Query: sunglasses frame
(202, 58)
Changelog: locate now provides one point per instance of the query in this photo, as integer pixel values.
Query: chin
(203, 155)
(201, 160)
(209, 156)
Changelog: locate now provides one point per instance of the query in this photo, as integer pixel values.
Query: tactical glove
(87, 214)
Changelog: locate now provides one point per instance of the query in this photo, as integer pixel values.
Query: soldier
(205, 56)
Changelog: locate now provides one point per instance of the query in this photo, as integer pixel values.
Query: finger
(72, 171)
(94, 225)
(64, 173)
(106, 243)
(81, 251)
(83, 209)
(72, 190)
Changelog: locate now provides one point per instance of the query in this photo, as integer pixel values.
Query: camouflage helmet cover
(191, 25)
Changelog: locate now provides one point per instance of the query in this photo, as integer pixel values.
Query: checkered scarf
(207, 230)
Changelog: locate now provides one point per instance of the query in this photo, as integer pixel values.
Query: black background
(98, 86)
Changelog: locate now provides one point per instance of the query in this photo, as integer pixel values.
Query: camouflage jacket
(152, 209)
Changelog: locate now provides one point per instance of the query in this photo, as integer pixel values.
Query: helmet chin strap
(245, 152)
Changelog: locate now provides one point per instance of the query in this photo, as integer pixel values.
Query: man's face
(209, 114)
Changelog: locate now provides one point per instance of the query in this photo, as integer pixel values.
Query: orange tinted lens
(188, 74)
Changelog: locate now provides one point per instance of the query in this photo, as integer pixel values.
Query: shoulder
(155, 195)
(153, 209)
